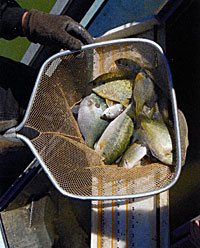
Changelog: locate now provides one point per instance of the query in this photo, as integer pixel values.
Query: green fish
(116, 136)
(107, 77)
(133, 155)
(143, 92)
(121, 69)
(89, 121)
(156, 135)
(119, 91)
(126, 67)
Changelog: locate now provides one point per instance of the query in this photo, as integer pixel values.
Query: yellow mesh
(75, 168)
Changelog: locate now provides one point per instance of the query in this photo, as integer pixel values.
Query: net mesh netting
(73, 166)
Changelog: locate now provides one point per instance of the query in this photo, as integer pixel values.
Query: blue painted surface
(118, 12)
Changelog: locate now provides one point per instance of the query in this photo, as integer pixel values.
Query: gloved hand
(48, 29)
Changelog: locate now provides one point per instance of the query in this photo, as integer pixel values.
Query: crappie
(119, 91)
(158, 139)
(89, 121)
(112, 112)
(116, 137)
(133, 155)
(143, 91)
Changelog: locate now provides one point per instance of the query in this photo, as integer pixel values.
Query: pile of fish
(120, 118)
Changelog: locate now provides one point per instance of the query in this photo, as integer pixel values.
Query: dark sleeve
(10, 19)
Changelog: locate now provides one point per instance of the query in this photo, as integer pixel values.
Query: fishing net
(74, 168)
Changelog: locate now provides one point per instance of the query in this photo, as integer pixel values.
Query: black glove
(61, 31)
(11, 22)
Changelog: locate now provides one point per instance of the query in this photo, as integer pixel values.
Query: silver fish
(133, 155)
(112, 112)
(89, 121)
(116, 137)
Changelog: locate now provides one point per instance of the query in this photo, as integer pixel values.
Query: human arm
(10, 19)
(40, 27)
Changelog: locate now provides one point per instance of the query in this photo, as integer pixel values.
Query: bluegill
(119, 91)
(156, 135)
(126, 67)
(112, 112)
(106, 77)
(133, 155)
(143, 92)
(116, 136)
(121, 69)
(89, 121)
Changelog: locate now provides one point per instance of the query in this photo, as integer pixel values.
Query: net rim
(14, 131)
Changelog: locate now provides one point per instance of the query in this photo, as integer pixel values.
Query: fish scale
(118, 91)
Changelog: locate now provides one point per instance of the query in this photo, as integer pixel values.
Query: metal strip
(91, 12)
(129, 29)
(134, 224)
(137, 222)
(161, 7)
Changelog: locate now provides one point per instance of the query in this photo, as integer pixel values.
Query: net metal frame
(122, 193)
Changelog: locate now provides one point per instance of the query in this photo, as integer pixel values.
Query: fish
(143, 92)
(156, 135)
(126, 67)
(110, 103)
(153, 112)
(75, 110)
(163, 105)
(133, 155)
(183, 132)
(119, 91)
(122, 68)
(183, 127)
(89, 121)
(112, 112)
(107, 77)
(115, 139)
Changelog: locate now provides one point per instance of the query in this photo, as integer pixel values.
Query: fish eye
(97, 105)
